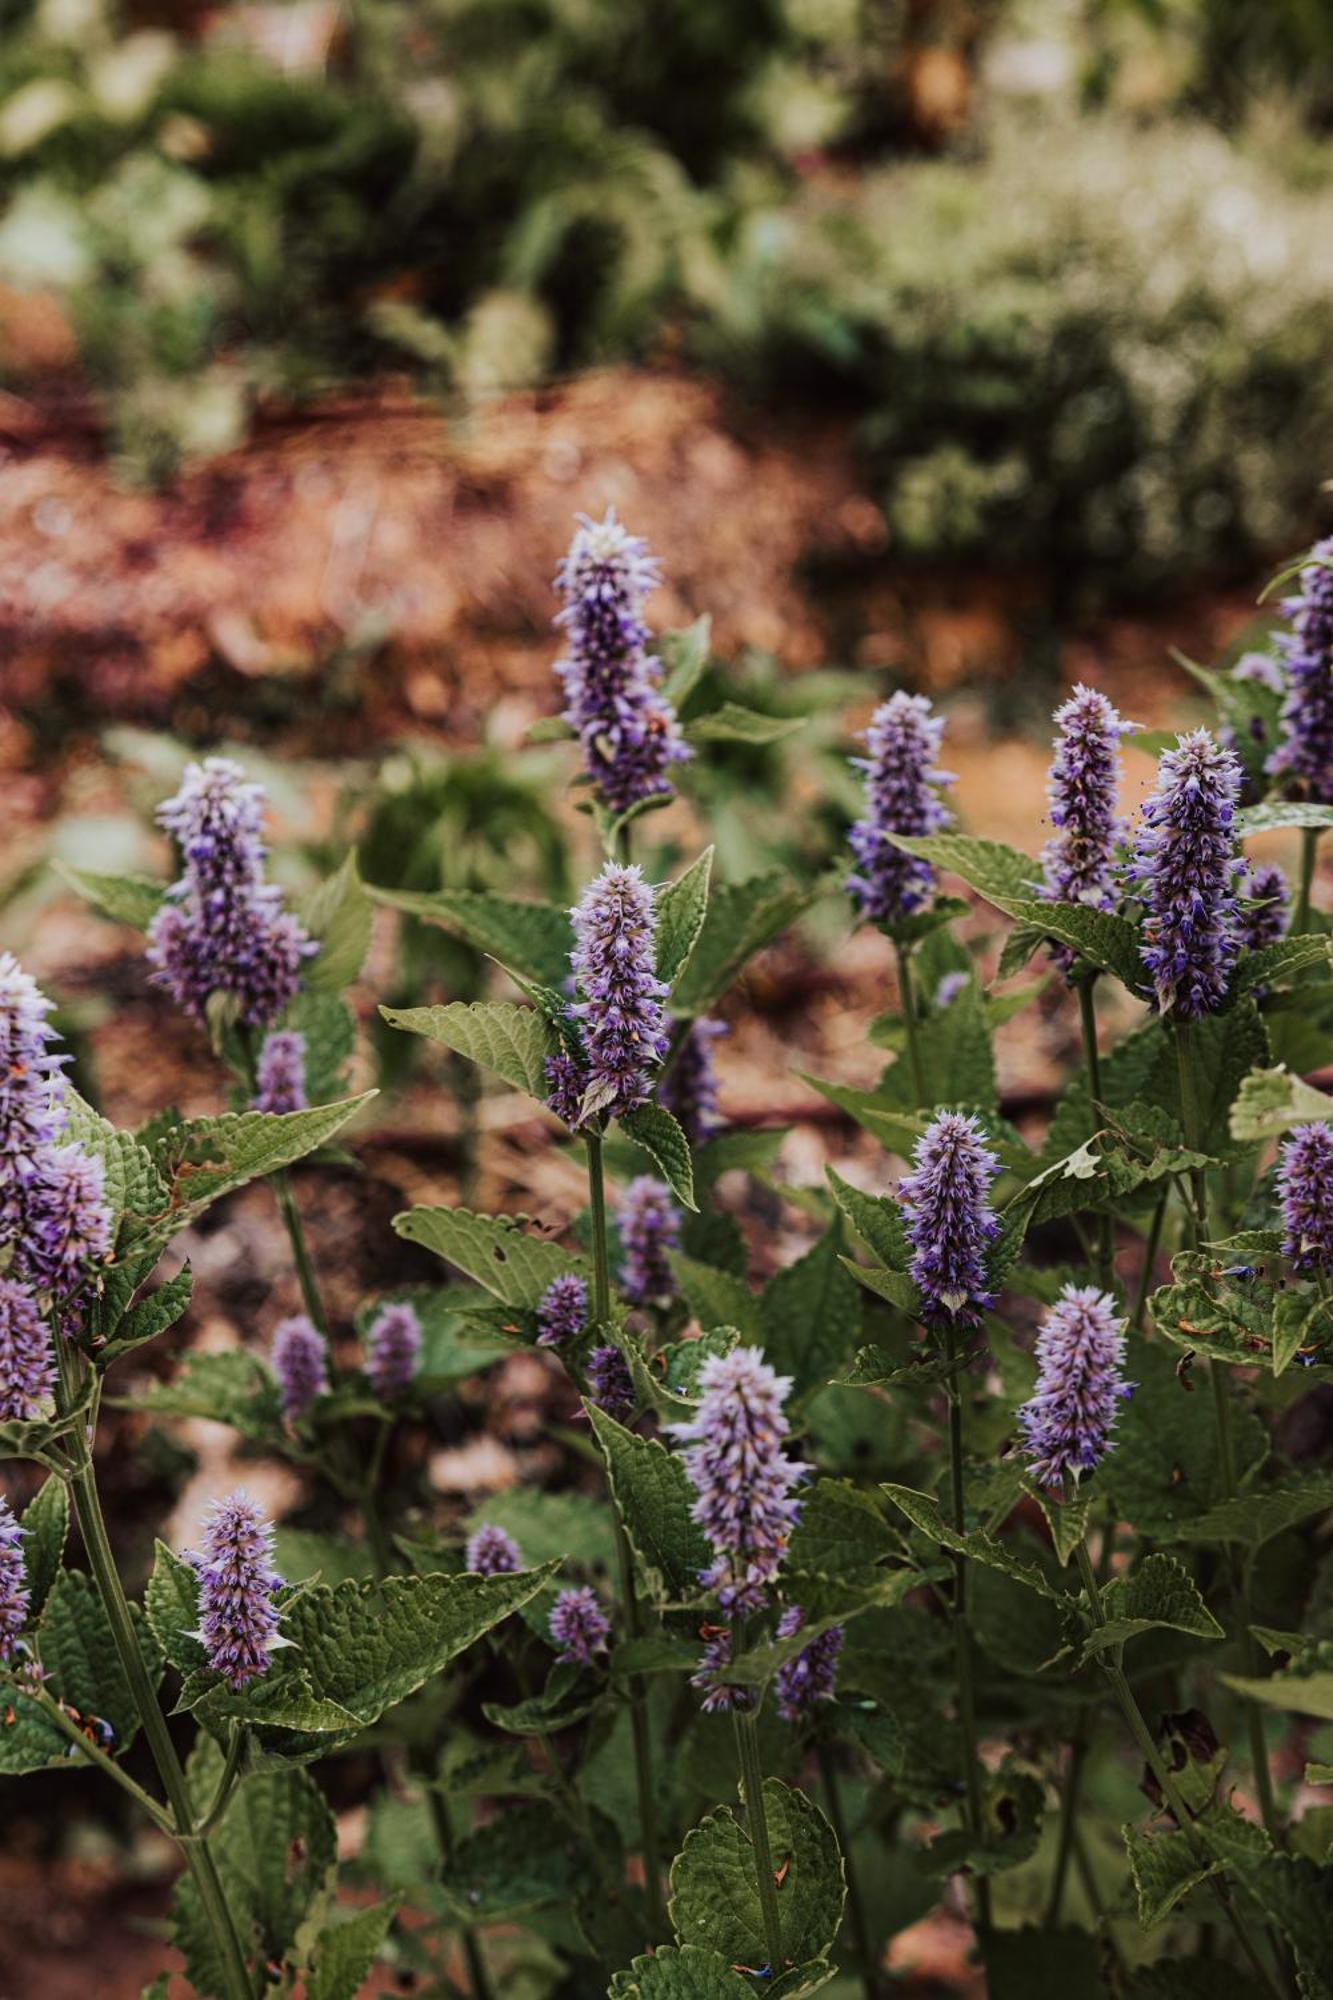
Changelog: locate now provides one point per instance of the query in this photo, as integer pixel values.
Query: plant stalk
(1087, 1010)
(856, 1909)
(907, 994)
(1309, 855)
(1150, 1249)
(478, 1972)
(967, 1715)
(752, 1785)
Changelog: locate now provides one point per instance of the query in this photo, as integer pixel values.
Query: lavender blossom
(610, 1383)
(567, 1078)
(1184, 872)
(649, 1223)
(945, 1200)
(721, 1695)
(1078, 862)
(14, 1596)
(804, 1683)
(1305, 1183)
(301, 1364)
(951, 984)
(904, 740)
(619, 1007)
(222, 928)
(238, 1618)
(742, 1478)
(1265, 902)
(1067, 1424)
(491, 1552)
(562, 1311)
(68, 1225)
(579, 1626)
(627, 728)
(30, 1116)
(689, 1088)
(393, 1351)
(1306, 750)
(280, 1079)
(27, 1359)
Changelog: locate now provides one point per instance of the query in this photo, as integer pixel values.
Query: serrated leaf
(841, 1534)
(714, 1896)
(1271, 1102)
(716, 1298)
(987, 866)
(229, 1387)
(338, 915)
(877, 1220)
(206, 1158)
(513, 1041)
(344, 1952)
(1274, 814)
(1255, 1517)
(125, 899)
(684, 655)
(924, 1513)
(681, 907)
(535, 938)
(570, 1695)
(1164, 1471)
(679, 1973)
(894, 1286)
(149, 1316)
(740, 919)
(810, 1316)
(733, 724)
(45, 1525)
(1274, 963)
(1157, 1592)
(1294, 1694)
(654, 1128)
(78, 1651)
(652, 1492)
(171, 1606)
(527, 1859)
(494, 1250)
(1165, 1867)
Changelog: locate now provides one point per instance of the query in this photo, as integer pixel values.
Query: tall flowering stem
(1078, 861)
(1305, 753)
(291, 1214)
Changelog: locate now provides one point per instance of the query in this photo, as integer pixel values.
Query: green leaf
(684, 655)
(654, 1128)
(535, 938)
(1294, 1694)
(1011, 1814)
(685, 1973)
(741, 917)
(810, 1316)
(526, 1859)
(1165, 1867)
(1274, 814)
(45, 1525)
(150, 1316)
(924, 1513)
(125, 899)
(1255, 1517)
(652, 1492)
(77, 1649)
(1165, 1471)
(493, 1250)
(345, 1951)
(338, 915)
(455, 1340)
(1271, 1102)
(1292, 1891)
(206, 1158)
(1158, 1592)
(681, 908)
(229, 1387)
(733, 724)
(894, 1286)
(877, 1220)
(511, 1040)
(570, 1695)
(841, 1534)
(716, 1298)
(1275, 963)
(171, 1606)
(987, 866)
(714, 1897)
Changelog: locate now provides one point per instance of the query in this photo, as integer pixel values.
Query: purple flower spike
(491, 1552)
(301, 1364)
(1184, 872)
(627, 728)
(689, 1088)
(807, 1681)
(1264, 922)
(1078, 862)
(223, 928)
(68, 1223)
(1306, 750)
(393, 1351)
(619, 1007)
(280, 1078)
(1305, 1183)
(562, 1311)
(649, 1223)
(579, 1626)
(902, 783)
(742, 1478)
(945, 1200)
(27, 1359)
(30, 1115)
(1081, 1356)
(13, 1582)
(238, 1619)
(567, 1078)
(720, 1695)
(610, 1383)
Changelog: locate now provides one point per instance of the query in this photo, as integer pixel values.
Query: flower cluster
(1305, 1184)
(649, 1224)
(280, 1073)
(805, 1683)
(902, 786)
(1184, 872)
(393, 1351)
(1080, 1382)
(14, 1595)
(222, 928)
(1078, 862)
(743, 1480)
(492, 1552)
(301, 1364)
(689, 1088)
(1264, 907)
(238, 1617)
(610, 1383)
(579, 1626)
(1306, 750)
(27, 1362)
(562, 1311)
(626, 727)
(618, 1004)
(950, 1222)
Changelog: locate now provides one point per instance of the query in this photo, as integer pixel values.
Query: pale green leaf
(654, 1128)
(714, 1896)
(513, 1041)
(493, 1250)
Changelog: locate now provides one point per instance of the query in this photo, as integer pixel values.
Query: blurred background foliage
(1064, 264)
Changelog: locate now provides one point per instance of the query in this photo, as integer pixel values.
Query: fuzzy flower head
(1184, 873)
(566, 1086)
(1265, 902)
(393, 1351)
(946, 1202)
(579, 1626)
(68, 1224)
(280, 1073)
(238, 1617)
(805, 1683)
(743, 1480)
(562, 1311)
(626, 727)
(1078, 862)
(492, 1552)
(1305, 1184)
(720, 1694)
(222, 928)
(689, 1088)
(27, 1359)
(1305, 753)
(619, 1006)
(31, 1118)
(649, 1224)
(1067, 1424)
(610, 1384)
(13, 1582)
(902, 796)
(301, 1364)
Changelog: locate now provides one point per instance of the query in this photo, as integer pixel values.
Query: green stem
(856, 1909)
(752, 1786)
(478, 1972)
(376, 1539)
(1069, 1809)
(55, 1714)
(231, 1771)
(907, 994)
(1309, 852)
(629, 1602)
(967, 1714)
(1192, 1119)
(305, 1270)
(1087, 1009)
(1150, 1249)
